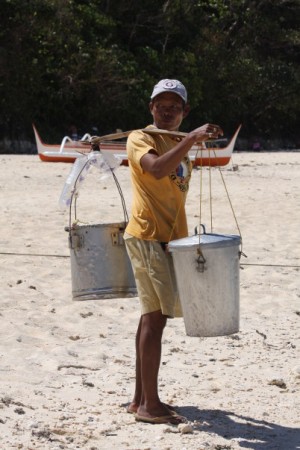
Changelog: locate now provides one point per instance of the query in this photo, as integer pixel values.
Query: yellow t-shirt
(158, 211)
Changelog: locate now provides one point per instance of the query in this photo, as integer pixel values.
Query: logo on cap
(169, 84)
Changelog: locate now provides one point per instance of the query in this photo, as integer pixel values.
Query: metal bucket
(100, 267)
(207, 276)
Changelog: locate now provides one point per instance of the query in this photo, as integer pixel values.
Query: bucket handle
(203, 229)
(95, 148)
(201, 260)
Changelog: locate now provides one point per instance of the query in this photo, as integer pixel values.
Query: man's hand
(205, 132)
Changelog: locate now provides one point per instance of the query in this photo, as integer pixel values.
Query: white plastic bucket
(100, 267)
(208, 283)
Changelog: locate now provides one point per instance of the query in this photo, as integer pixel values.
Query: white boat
(208, 154)
(69, 150)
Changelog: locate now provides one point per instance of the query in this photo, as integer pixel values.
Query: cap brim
(167, 90)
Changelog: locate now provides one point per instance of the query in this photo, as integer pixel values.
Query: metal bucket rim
(119, 225)
(191, 242)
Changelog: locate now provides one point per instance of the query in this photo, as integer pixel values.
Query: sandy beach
(67, 367)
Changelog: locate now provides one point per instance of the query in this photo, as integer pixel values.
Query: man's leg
(133, 406)
(149, 356)
(148, 343)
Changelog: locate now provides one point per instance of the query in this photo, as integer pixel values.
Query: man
(160, 174)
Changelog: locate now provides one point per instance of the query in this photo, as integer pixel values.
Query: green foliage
(94, 63)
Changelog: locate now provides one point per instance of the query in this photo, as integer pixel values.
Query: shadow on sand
(248, 432)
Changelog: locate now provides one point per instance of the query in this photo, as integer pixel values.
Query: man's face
(168, 111)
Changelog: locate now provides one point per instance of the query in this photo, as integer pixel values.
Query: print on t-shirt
(182, 175)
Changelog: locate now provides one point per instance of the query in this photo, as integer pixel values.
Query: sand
(67, 368)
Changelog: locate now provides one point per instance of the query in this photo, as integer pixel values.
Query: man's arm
(161, 166)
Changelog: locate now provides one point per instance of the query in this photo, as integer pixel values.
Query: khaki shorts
(154, 275)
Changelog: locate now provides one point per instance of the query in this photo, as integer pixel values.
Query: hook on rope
(241, 253)
(200, 261)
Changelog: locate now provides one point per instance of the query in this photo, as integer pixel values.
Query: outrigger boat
(208, 154)
(69, 150)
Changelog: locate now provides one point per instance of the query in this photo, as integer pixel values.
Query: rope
(210, 192)
(126, 218)
(231, 206)
(201, 191)
(288, 266)
(232, 210)
(75, 195)
(34, 254)
(271, 265)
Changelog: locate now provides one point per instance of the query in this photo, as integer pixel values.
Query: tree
(94, 62)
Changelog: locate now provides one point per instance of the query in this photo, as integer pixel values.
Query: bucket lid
(207, 240)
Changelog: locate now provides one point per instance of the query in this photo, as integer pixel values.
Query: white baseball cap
(167, 85)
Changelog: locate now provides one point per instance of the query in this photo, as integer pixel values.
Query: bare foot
(169, 418)
(133, 407)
